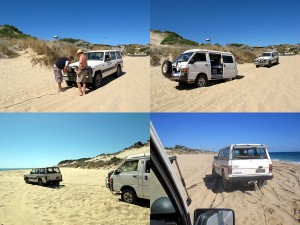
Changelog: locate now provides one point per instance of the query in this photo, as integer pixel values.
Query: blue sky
(122, 22)
(212, 131)
(44, 139)
(254, 22)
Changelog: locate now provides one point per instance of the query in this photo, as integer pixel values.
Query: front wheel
(201, 81)
(128, 196)
(166, 68)
(70, 83)
(97, 80)
(257, 66)
(270, 64)
(26, 180)
(277, 61)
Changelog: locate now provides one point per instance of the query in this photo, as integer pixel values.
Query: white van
(199, 66)
(243, 163)
(132, 178)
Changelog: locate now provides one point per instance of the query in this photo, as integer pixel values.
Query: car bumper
(235, 179)
(72, 77)
(262, 63)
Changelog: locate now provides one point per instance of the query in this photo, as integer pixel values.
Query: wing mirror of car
(214, 217)
(216, 157)
(117, 171)
(192, 61)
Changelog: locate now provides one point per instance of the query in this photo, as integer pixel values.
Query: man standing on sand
(59, 65)
(81, 72)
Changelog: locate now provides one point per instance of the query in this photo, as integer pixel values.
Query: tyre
(257, 66)
(166, 68)
(270, 64)
(40, 182)
(119, 71)
(214, 174)
(70, 83)
(261, 183)
(226, 183)
(277, 61)
(26, 180)
(201, 81)
(128, 196)
(97, 80)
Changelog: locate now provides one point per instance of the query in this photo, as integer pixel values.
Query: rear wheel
(226, 183)
(201, 81)
(119, 71)
(261, 183)
(128, 196)
(40, 182)
(97, 80)
(166, 68)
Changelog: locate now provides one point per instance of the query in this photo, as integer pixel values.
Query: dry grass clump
(158, 54)
(7, 52)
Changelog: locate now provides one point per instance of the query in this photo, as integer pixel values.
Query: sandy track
(27, 88)
(274, 89)
(276, 203)
(81, 199)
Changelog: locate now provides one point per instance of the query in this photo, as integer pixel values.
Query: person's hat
(79, 51)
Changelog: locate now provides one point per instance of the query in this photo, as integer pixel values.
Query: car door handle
(135, 176)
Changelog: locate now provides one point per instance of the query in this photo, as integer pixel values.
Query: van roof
(141, 155)
(103, 51)
(248, 145)
(205, 50)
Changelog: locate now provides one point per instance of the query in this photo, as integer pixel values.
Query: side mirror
(192, 61)
(117, 172)
(216, 157)
(214, 217)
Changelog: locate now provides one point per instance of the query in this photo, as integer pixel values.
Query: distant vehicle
(199, 66)
(243, 163)
(168, 204)
(132, 178)
(44, 176)
(101, 64)
(267, 59)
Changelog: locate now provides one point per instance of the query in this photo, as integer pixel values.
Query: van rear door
(252, 161)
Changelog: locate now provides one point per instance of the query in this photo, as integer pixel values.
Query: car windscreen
(94, 55)
(249, 153)
(184, 57)
(266, 54)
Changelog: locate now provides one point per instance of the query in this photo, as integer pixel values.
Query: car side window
(147, 167)
(129, 166)
(227, 59)
(118, 55)
(37, 171)
(42, 171)
(200, 57)
(112, 55)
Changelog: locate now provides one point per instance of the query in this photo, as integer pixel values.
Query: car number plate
(176, 74)
(259, 170)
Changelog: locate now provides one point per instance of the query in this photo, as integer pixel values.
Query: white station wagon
(101, 64)
(199, 66)
(243, 163)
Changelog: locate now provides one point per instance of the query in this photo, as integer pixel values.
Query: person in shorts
(81, 72)
(59, 65)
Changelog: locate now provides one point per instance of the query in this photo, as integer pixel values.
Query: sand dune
(81, 198)
(274, 89)
(276, 203)
(27, 88)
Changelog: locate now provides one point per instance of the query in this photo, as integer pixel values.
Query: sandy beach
(277, 203)
(27, 88)
(81, 198)
(274, 89)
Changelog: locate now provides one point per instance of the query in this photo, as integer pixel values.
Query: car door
(113, 58)
(144, 179)
(107, 65)
(229, 66)
(127, 175)
(199, 63)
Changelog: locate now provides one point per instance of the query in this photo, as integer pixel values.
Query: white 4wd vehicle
(267, 59)
(243, 163)
(199, 66)
(132, 178)
(44, 176)
(101, 64)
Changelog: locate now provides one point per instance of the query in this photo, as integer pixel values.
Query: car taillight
(270, 168)
(184, 70)
(230, 169)
(110, 180)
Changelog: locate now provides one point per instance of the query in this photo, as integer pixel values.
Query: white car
(199, 66)
(44, 176)
(243, 163)
(168, 203)
(101, 64)
(132, 178)
(267, 59)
